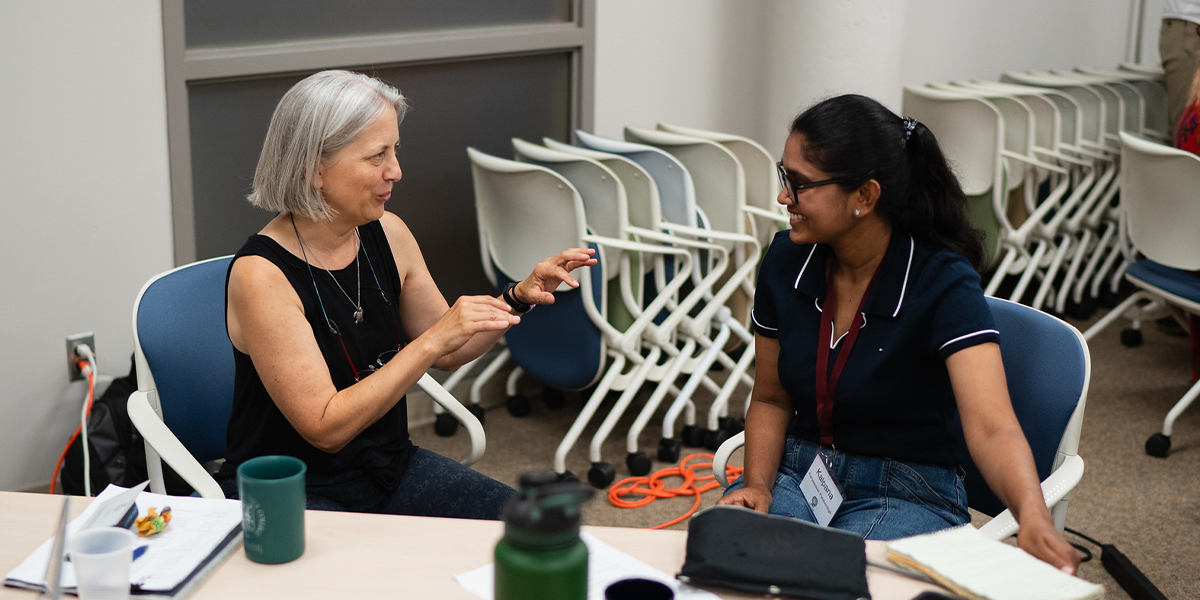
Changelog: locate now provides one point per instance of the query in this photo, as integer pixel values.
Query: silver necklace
(358, 309)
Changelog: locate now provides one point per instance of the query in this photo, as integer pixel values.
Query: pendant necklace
(358, 308)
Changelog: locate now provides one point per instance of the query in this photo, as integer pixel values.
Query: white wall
(85, 196)
(977, 39)
(747, 67)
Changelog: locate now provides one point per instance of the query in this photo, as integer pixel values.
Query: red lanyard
(826, 381)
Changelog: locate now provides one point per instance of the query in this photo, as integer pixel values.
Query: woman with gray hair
(333, 290)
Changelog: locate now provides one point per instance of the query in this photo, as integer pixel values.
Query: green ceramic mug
(272, 492)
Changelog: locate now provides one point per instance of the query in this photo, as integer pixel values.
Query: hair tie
(909, 125)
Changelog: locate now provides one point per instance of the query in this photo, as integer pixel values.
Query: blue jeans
(884, 499)
(432, 486)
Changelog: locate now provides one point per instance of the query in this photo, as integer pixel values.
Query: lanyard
(827, 381)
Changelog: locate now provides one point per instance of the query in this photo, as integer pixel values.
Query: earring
(857, 212)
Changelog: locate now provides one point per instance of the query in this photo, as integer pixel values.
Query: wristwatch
(511, 298)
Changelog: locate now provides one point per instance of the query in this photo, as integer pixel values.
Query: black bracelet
(510, 297)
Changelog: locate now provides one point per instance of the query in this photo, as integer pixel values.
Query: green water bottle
(541, 555)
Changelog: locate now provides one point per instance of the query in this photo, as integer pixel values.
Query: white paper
(606, 565)
(991, 569)
(197, 528)
(110, 511)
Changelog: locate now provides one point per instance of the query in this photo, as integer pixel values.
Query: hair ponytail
(938, 202)
(856, 138)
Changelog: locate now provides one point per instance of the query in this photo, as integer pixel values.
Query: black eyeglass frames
(794, 188)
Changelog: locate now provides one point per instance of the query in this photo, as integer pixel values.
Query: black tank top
(257, 427)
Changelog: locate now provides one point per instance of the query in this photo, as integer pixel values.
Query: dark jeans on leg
(432, 486)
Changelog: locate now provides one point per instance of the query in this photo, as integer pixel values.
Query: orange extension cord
(82, 364)
(655, 488)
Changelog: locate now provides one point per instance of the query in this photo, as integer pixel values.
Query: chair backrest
(758, 166)
(1091, 106)
(1018, 122)
(720, 181)
(968, 129)
(528, 213)
(676, 191)
(602, 192)
(1048, 367)
(184, 356)
(641, 193)
(1158, 199)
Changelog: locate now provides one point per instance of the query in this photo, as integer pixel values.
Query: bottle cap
(546, 505)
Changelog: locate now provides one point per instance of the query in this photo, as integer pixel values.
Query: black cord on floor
(1072, 531)
(1123, 571)
(1087, 553)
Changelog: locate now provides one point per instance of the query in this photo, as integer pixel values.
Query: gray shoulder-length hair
(319, 116)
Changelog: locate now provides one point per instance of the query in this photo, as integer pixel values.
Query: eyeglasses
(794, 188)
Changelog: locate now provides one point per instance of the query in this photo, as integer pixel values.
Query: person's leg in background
(1179, 47)
(436, 486)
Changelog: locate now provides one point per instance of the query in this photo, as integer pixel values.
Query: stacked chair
(1038, 154)
(1070, 175)
(678, 246)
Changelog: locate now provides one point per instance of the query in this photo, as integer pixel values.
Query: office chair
(184, 363)
(528, 212)
(1160, 214)
(1048, 367)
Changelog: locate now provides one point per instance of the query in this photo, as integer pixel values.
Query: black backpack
(118, 454)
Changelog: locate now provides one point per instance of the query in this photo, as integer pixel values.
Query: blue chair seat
(1178, 282)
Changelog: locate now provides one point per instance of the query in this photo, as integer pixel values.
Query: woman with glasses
(871, 330)
(333, 314)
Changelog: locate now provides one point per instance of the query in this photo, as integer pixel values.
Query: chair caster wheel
(692, 436)
(477, 410)
(713, 438)
(553, 398)
(601, 474)
(1108, 298)
(1083, 309)
(668, 450)
(445, 425)
(731, 425)
(1158, 445)
(518, 406)
(638, 463)
(1131, 337)
(567, 476)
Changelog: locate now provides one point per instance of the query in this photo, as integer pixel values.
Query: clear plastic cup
(101, 558)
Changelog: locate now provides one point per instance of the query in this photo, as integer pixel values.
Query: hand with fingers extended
(470, 315)
(539, 287)
(1040, 538)
(754, 497)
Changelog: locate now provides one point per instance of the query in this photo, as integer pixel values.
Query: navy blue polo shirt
(893, 398)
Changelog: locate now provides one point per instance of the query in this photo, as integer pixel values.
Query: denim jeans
(884, 499)
(432, 486)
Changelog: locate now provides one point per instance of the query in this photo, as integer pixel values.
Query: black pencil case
(740, 549)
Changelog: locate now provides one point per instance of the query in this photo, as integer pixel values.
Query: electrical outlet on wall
(73, 341)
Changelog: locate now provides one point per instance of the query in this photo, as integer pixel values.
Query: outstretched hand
(539, 287)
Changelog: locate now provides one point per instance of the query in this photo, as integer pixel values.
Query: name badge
(821, 490)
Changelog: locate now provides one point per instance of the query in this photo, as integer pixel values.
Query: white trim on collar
(912, 244)
(796, 285)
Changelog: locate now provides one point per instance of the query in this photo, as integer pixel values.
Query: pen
(139, 551)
